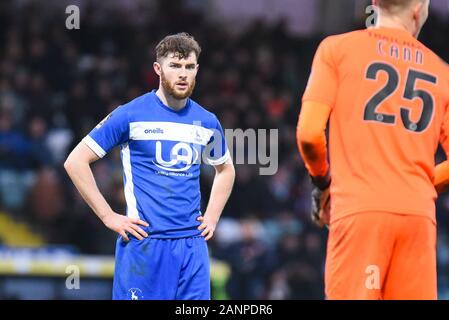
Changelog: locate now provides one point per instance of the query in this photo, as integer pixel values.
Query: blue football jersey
(161, 152)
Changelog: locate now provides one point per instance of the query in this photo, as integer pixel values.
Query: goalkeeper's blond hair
(395, 6)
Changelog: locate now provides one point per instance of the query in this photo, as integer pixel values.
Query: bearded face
(178, 75)
(178, 89)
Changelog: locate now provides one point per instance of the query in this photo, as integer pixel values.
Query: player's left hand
(321, 200)
(208, 225)
(320, 207)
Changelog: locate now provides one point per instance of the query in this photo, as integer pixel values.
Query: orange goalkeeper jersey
(389, 96)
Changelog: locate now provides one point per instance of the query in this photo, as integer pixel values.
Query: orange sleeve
(311, 137)
(441, 180)
(323, 80)
(444, 134)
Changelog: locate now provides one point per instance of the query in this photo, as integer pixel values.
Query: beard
(173, 91)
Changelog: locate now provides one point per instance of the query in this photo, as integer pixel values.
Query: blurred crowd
(56, 85)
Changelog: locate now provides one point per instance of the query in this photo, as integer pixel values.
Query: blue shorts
(162, 269)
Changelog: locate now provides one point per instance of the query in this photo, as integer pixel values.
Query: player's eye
(191, 66)
(175, 65)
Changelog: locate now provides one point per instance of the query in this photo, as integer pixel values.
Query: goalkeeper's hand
(321, 200)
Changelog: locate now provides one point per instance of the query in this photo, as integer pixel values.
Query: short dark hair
(181, 44)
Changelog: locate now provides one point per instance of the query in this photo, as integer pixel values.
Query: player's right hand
(123, 225)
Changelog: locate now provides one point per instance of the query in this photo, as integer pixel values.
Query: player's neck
(169, 101)
(393, 22)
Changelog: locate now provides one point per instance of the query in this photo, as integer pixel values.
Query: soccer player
(385, 95)
(161, 251)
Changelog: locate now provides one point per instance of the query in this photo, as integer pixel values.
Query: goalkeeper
(386, 98)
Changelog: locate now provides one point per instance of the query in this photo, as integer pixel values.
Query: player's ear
(424, 11)
(420, 14)
(157, 68)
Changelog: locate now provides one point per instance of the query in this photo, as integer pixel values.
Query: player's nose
(183, 73)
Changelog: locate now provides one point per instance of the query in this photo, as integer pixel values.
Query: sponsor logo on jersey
(182, 157)
(157, 130)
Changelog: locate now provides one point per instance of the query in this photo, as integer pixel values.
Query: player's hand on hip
(123, 225)
(208, 226)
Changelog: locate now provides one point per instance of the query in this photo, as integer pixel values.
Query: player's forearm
(221, 190)
(441, 180)
(314, 154)
(311, 137)
(81, 175)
